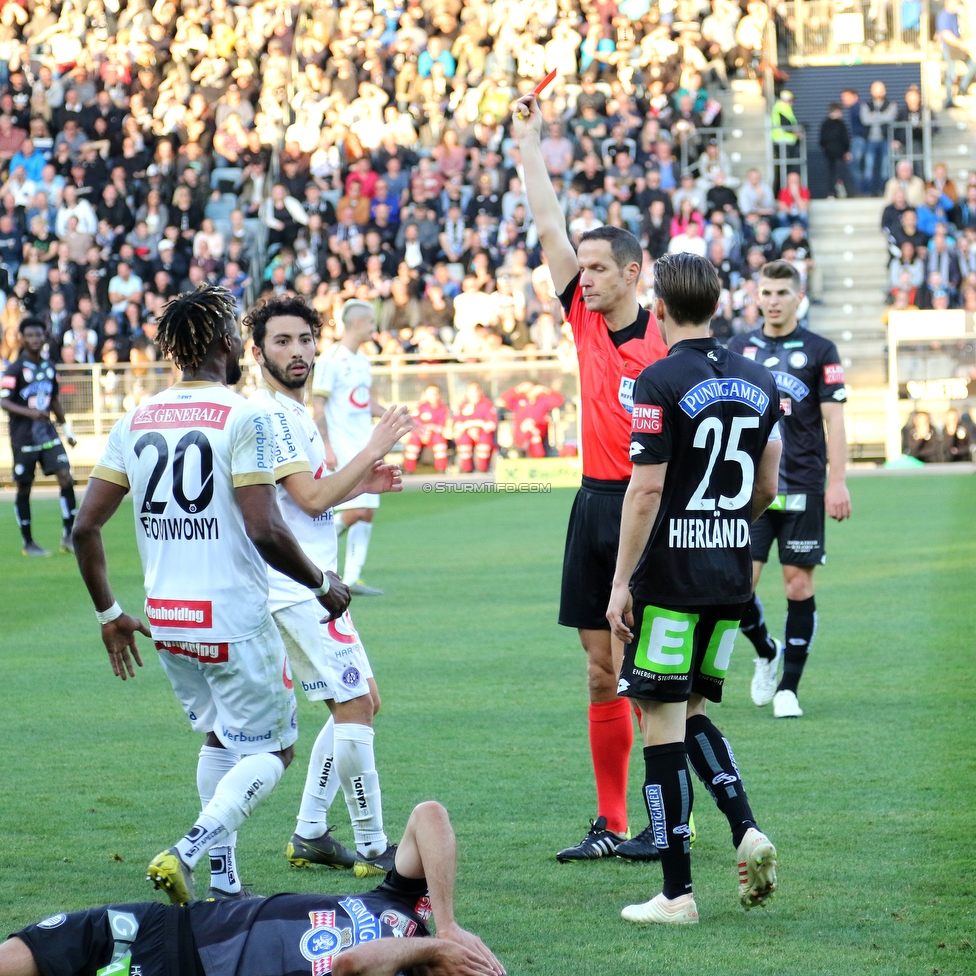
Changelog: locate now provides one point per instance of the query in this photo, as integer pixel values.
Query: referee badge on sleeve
(648, 419)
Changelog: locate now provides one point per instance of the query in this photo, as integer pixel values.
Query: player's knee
(286, 756)
(430, 813)
(65, 480)
(798, 582)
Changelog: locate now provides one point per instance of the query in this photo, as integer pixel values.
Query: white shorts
(329, 659)
(343, 456)
(242, 692)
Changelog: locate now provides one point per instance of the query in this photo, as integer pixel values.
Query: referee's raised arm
(543, 202)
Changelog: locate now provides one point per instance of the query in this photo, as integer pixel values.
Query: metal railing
(916, 148)
(787, 157)
(738, 143)
(844, 31)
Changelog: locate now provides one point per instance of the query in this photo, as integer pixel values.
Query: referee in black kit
(706, 448)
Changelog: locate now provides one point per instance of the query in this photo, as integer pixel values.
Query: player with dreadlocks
(201, 462)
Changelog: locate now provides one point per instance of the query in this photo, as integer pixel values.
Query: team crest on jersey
(797, 360)
(626, 393)
(323, 941)
(53, 922)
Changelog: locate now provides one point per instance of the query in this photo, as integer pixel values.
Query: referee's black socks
(753, 625)
(668, 797)
(714, 764)
(801, 625)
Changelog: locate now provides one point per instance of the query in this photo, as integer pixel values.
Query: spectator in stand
(943, 182)
(934, 211)
(909, 262)
(954, 48)
(921, 440)
(957, 443)
(859, 132)
(909, 130)
(835, 143)
(902, 302)
(877, 117)
(793, 202)
(756, 197)
(942, 258)
(908, 230)
(905, 180)
(475, 423)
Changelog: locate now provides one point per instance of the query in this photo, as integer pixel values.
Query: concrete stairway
(851, 250)
(744, 119)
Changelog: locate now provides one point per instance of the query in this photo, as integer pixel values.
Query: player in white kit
(328, 658)
(344, 411)
(200, 461)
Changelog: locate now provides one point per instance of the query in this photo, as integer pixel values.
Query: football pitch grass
(869, 797)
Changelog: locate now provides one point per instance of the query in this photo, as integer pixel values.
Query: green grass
(869, 797)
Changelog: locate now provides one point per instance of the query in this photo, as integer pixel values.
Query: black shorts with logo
(46, 450)
(797, 523)
(591, 554)
(158, 937)
(679, 652)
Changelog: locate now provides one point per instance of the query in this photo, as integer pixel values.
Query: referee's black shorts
(591, 554)
(158, 937)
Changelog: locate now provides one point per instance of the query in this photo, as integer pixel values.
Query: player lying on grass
(354, 935)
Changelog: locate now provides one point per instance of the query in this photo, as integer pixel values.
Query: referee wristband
(323, 588)
(107, 616)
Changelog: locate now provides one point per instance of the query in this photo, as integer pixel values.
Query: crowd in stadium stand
(931, 231)
(136, 145)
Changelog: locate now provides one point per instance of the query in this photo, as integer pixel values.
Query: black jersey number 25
(192, 438)
(713, 429)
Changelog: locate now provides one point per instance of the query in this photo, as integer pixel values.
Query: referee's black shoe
(640, 848)
(598, 842)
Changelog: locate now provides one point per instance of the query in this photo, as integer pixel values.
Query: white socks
(357, 545)
(213, 765)
(356, 768)
(321, 786)
(237, 795)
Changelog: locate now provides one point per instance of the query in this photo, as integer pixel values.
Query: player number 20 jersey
(183, 453)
